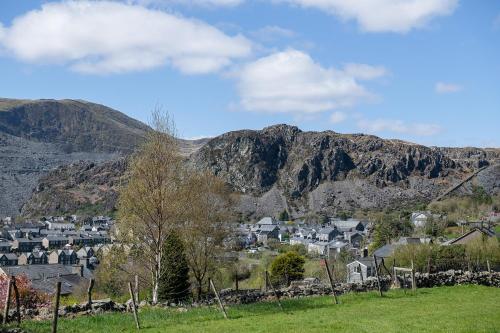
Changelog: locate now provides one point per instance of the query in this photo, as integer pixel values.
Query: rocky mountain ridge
(37, 136)
(282, 167)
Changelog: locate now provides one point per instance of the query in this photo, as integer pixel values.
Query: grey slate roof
(346, 225)
(45, 277)
(268, 228)
(9, 256)
(266, 221)
(385, 251)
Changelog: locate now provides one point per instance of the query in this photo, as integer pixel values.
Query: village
(67, 248)
(53, 248)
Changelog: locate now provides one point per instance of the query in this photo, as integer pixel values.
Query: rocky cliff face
(82, 187)
(283, 167)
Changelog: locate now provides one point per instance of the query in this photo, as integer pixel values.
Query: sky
(425, 71)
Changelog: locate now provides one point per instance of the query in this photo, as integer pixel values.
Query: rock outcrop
(282, 167)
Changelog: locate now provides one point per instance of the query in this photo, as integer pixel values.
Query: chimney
(365, 252)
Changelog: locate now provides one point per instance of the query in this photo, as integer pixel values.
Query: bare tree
(207, 224)
(150, 205)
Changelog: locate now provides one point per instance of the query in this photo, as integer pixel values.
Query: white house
(360, 269)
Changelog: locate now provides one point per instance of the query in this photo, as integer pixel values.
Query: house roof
(266, 220)
(44, 277)
(25, 240)
(57, 238)
(38, 254)
(337, 244)
(485, 231)
(385, 251)
(326, 231)
(409, 240)
(268, 228)
(9, 256)
(347, 224)
(368, 261)
(66, 252)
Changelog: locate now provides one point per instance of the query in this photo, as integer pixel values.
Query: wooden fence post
(265, 281)
(7, 302)
(413, 279)
(56, 307)
(16, 296)
(218, 298)
(89, 293)
(395, 282)
(378, 277)
(386, 269)
(134, 309)
(136, 288)
(275, 292)
(331, 281)
(488, 265)
(404, 282)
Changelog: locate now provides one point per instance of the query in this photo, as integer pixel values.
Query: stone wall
(296, 290)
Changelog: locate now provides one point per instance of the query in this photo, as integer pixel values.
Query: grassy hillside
(446, 309)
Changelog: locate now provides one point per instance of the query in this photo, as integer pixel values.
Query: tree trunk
(156, 279)
(199, 290)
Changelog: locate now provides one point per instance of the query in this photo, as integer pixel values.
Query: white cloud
(398, 126)
(291, 82)
(113, 37)
(383, 15)
(365, 72)
(337, 117)
(446, 88)
(205, 3)
(272, 32)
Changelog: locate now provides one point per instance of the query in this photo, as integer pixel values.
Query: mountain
(37, 136)
(72, 125)
(282, 167)
(305, 172)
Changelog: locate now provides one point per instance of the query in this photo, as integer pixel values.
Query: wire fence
(329, 274)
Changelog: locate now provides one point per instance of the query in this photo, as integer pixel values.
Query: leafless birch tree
(150, 205)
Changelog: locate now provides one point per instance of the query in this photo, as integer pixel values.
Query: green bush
(287, 267)
(473, 255)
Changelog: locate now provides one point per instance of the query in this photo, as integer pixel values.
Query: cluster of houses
(364, 266)
(327, 239)
(53, 247)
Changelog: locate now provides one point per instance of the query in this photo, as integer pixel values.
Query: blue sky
(426, 71)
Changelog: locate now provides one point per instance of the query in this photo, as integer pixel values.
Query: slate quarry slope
(38, 136)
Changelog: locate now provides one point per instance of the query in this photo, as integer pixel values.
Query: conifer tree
(174, 283)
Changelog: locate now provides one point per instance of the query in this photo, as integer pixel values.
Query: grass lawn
(445, 309)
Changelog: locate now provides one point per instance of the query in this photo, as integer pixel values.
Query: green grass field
(445, 309)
